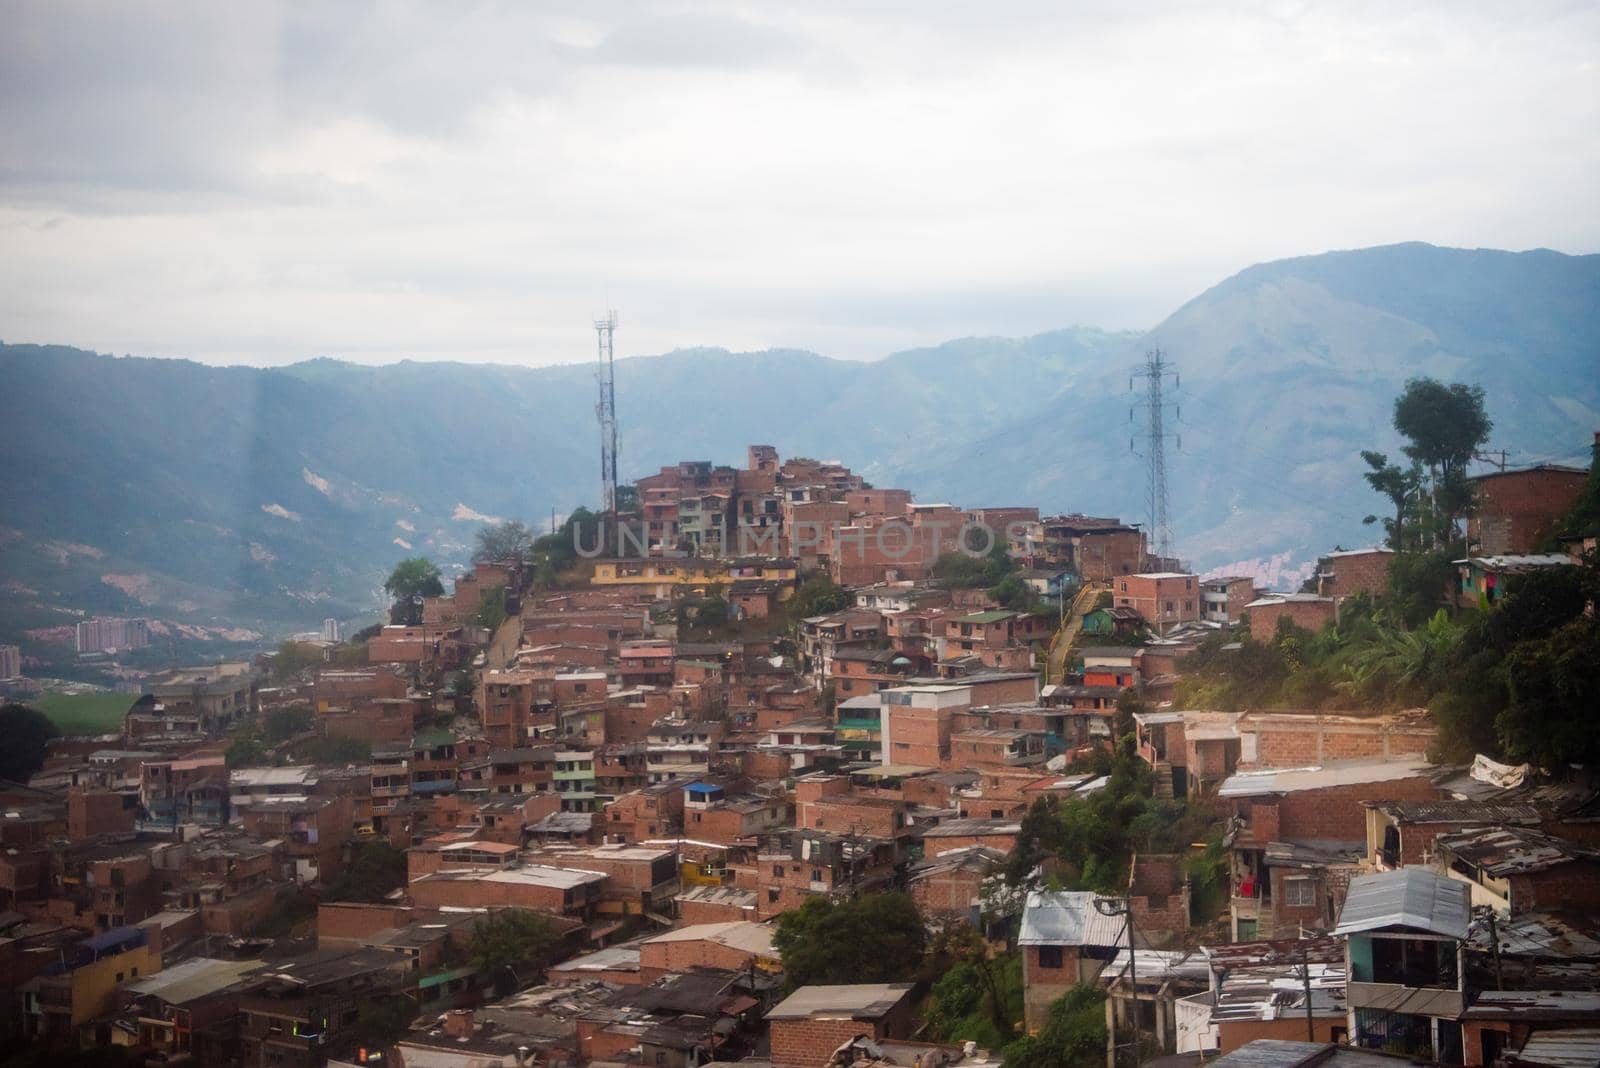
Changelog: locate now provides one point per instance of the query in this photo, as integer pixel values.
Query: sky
(262, 183)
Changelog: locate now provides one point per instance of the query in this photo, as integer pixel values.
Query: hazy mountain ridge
(280, 493)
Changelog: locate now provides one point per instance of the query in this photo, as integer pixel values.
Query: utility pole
(1305, 975)
(1155, 372)
(605, 411)
(1107, 906)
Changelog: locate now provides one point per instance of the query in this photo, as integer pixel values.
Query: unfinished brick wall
(1334, 813)
(1298, 740)
(1158, 893)
(1514, 511)
(1307, 615)
(1570, 886)
(947, 893)
(1352, 573)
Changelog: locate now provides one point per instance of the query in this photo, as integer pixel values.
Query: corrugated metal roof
(1502, 851)
(1577, 1047)
(1287, 780)
(1418, 899)
(184, 982)
(1068, 918)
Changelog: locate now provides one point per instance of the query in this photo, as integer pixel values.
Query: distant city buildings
(10, 661)
(331, 630)
(104, 634)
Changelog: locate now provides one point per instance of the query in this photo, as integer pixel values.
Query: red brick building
(1513, 512)
(1308, 611)
(808, 1025)
(1163, 598)
(1346, 572)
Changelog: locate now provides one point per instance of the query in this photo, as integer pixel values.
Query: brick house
(1163, 598)
(1347, 572)
(730, 947)
(1514, 511)
(1065, 940)
(1223, 597)
(950, 886)
(1403, 832)
(1308, 611)
(917, 722)
(1518, 869)
(1288, 828)
(808, 1025)
(1096, 549)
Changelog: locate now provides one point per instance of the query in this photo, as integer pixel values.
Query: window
(1050, 957)
(1299, 892)
(777, 871)
(772, 893)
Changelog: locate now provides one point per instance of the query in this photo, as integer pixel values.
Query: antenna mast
(605, 411)
(1157, 503)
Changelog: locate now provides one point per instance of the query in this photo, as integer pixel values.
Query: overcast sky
(245, 182)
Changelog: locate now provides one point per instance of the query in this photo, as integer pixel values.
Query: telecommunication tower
(606, 411)
(1155, 372)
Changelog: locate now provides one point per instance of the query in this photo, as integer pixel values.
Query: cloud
(383, 180)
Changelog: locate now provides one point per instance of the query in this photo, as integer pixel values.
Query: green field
(86, 713)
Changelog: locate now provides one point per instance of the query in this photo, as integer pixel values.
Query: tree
(492, 608)
(380, 1023)
(375, 870)
(1554, 685)
(411, 580)
(508, 941)
(245, 751)
(1073, 1036)
(502, 542)
(975, 997)
(875, 938)
(818, 596)
(1400, 485)
(285, 723)
(1015, 594)
(1444, 426)
(712, 611)
(27, 732)
(292, 658)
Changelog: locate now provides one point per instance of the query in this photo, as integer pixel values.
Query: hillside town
(771, 766)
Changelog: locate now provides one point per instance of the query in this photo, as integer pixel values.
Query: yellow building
(83, 985)
(662, 578)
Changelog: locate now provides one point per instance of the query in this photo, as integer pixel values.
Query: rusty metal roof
(1501, 851)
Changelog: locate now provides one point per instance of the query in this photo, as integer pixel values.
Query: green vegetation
(292, 658)
(285, 723)
(27, 732)
(508, 942)
(375, 869)
(875, 938)
(1074, 1034)
(492, 608)
(976, 996)
(1515, 680)
(409, 582)
(507, 541)
(86, 713)
(245, 750)
(1086, 843)
(818, 595)
(961, 571)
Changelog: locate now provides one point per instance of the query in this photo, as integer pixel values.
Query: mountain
(282, 496)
